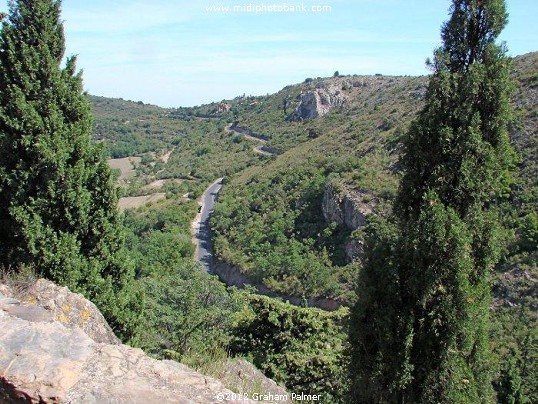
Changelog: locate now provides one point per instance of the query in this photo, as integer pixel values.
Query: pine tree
(58, 199)
(420, 327)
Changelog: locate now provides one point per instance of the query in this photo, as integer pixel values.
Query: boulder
(48, 358)
(66, 307)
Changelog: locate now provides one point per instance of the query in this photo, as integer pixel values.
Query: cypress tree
(420, 326)
(58, 199)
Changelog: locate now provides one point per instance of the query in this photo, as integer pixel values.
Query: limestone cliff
(55, 346)
(319, 102)
(348, 207)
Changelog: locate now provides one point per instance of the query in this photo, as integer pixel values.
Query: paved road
(202, 236)
(201, 229)
(257, 149)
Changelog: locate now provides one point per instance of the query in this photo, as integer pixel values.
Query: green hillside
(269, 222)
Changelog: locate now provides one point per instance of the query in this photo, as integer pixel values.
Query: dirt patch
(154, 185)
(166, 157)
(126, 166)
(137, 201)
(158, 184)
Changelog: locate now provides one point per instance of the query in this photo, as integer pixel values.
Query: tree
(58, 199)
(420, 326)
(188, 316)
(302, 348)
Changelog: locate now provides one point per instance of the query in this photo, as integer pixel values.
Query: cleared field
(126, 166)
(137, 201)
(158, 184)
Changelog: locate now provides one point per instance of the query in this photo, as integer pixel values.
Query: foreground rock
(46, 357)
(241, 375)
(70, 309)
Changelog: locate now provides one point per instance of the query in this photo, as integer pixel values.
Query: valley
(354, 238)
(290, 221)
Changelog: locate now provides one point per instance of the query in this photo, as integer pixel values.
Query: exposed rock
(244, 376)
(345, 207)
(353, 249)
(360, 83)
(319, 102)
(66, 307)
(223, 107)
(47, 361)
(419, 92)
(349, 208)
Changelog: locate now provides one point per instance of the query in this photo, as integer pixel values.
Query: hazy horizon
(176, 53)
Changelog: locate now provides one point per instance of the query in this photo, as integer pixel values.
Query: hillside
(293, 221)
(279, 233)
(270, 221)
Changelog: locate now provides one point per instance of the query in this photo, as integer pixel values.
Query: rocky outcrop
(318, 102)
(45, 358)
(353, 248)
(349, 208)
(345, 207)
(223, 107)
(244, 376)
(70, 309)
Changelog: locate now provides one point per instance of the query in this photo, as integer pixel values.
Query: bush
(302, 348)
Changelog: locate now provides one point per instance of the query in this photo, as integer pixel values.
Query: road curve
(257, 149)
(201, 231)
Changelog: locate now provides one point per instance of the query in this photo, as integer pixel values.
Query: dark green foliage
(280, 224)
(158, 238)
(188, 316)
(425, 285)
(58, 199)
(299, 347)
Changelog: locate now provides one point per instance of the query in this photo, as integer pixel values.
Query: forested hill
(293, 221)
(271, 222)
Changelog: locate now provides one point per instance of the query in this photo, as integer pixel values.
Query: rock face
(319, 102)
(345, 207)
(348, 208)
(70, 309)
(353, 249)
(244, 376)
(46, 360)
(223, 107)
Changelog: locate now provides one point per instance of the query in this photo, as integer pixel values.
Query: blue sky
(176, 53)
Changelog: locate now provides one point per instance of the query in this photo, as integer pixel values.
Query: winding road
(201, 231)
(230, 275)
(202, 236)
(248, 135)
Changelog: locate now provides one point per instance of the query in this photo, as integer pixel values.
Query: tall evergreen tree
(420, 327)
(58, 199)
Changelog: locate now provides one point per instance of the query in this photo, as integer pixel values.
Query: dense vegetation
(421, 323)
(58, 199)
(360, 152)
(269, 221)
(303, 348)
(356, 147)
(277, 233)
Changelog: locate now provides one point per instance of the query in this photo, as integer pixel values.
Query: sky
(187, 52)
